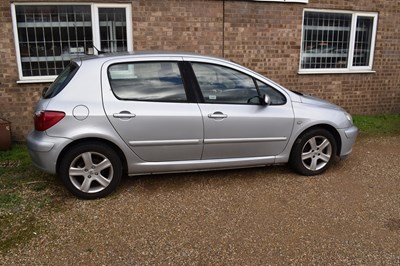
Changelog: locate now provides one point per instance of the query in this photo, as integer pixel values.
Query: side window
(224, 85)
(276, 97)
(147, 81)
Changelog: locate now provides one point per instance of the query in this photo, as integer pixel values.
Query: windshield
(61, 81)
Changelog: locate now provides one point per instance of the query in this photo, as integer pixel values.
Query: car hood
(307, 99)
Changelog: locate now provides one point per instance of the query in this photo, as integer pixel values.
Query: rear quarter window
(61, 81)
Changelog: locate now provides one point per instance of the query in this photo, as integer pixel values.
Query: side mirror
(265, 100)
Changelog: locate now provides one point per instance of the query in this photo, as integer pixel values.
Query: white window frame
(95, 31)
(287, 1)
(350, 68)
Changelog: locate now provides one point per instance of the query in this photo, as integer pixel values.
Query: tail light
(46, 119)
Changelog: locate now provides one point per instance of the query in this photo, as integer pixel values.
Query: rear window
(61, 81)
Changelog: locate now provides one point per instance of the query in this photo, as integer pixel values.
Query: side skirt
(198, 165)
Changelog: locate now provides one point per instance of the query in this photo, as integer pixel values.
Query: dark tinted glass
(61, 81)
(326, 40)
(51, 35)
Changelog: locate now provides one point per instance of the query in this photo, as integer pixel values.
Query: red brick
(265, 36)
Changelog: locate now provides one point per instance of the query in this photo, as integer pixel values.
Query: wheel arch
(112, 145)
(330, 129)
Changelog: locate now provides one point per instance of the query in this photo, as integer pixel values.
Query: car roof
(104, 57)
(107, 56)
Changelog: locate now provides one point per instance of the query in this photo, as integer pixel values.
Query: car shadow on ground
(216, 178)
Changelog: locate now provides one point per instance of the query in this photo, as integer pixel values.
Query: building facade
(345, 51)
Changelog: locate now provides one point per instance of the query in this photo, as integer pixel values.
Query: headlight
(349, 117)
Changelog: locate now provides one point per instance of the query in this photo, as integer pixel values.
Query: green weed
(25, 196)
(379, 125)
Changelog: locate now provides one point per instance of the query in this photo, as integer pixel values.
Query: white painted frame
(95, 31)
(286, 1)
(350, 68)
(95, 23)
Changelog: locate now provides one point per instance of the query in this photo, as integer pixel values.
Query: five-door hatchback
(144, 113)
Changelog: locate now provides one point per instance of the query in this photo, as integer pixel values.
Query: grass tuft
(379, 125)
(25, 196)
(9, 200)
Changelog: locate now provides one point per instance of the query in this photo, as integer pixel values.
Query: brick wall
(267, 38)
(16, 101)
(195, 26)
(264, 36)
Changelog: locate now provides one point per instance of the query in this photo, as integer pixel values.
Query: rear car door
(147, 104)
(236, 124)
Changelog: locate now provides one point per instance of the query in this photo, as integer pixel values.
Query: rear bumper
(45, 150)
(348, 136)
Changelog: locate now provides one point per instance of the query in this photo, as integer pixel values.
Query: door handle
(124, 114)
(218, 115)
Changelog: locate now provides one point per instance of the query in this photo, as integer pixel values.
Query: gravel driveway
(258, 216)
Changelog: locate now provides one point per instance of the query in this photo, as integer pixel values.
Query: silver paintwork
(157, 137)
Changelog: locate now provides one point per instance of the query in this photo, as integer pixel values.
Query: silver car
(145, 113)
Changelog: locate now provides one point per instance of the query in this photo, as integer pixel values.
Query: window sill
(43, 80)
(327, 72)
(285, 1)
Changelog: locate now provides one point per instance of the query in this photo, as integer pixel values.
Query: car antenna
(98, 51)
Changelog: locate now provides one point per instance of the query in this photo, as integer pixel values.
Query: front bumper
(348, 137)
(45, 150)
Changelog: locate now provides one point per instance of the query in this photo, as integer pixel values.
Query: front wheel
(313, 152)
(91, 170)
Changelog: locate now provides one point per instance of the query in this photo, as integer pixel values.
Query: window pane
(113, 29)
(51, 35)
(326, 38)
(155, 81)
(276, 97)
(362, 45)
(224, 85)
(61, 81)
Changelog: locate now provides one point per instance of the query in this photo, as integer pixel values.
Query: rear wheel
(313, 152)
(91, 170)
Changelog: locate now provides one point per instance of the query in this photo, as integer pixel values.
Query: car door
(147, 104)
(236, 123)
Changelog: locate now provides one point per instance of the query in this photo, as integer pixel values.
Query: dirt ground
(259, 216)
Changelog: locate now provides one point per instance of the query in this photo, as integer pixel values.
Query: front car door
(147, 104)
(236, 124)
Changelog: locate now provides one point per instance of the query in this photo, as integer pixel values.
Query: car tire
(91, 170)
(313, 152)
